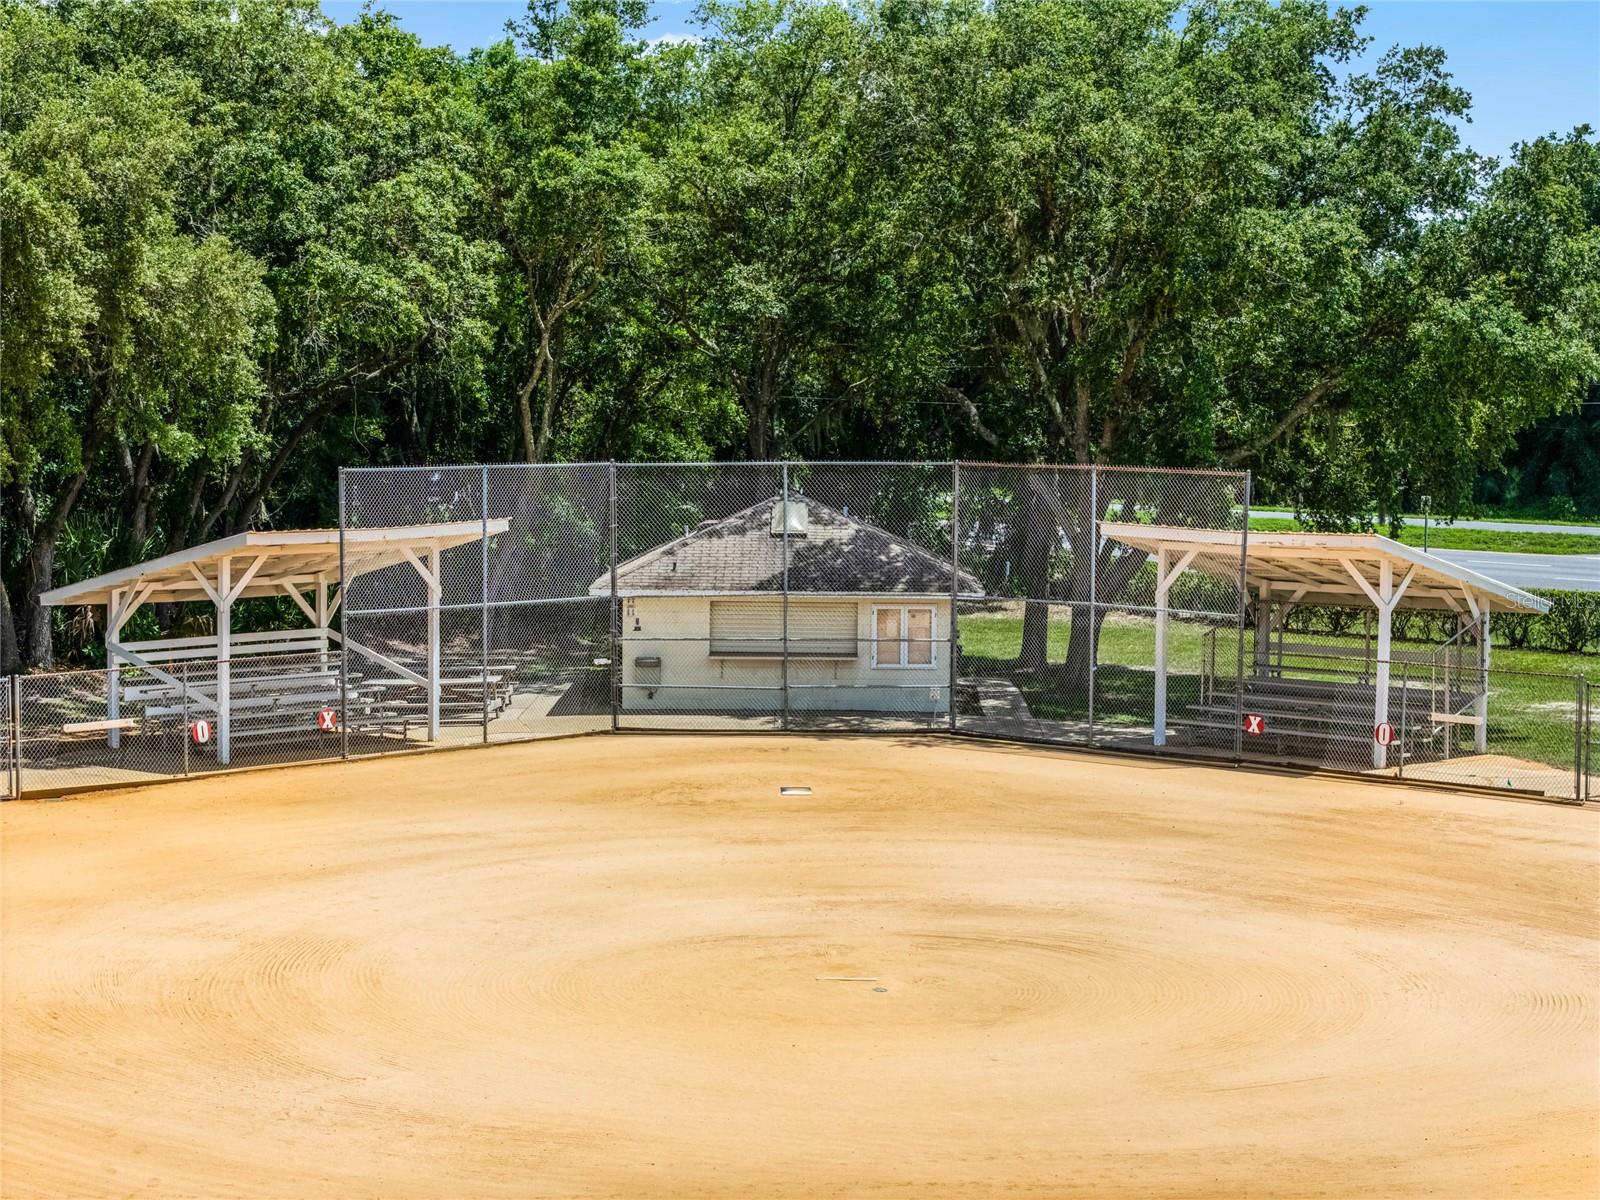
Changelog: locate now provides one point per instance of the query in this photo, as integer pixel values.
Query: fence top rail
(1106, 467)
(734, 463)
(798, 462)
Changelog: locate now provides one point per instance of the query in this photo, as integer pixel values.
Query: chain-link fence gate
(9, 786)
(1105, 607)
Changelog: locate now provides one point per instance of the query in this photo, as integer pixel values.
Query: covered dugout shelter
(1364, 571)
(268, 683)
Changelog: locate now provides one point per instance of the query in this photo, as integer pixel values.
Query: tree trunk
(10, 662)
(530, 439)
(141, 491)
(760, 392)
(37, 646)
(235, 478)
(756, 432)
(280, 458)
(1057, 503)
(758, 427)
(1037, 540)
(550, 349)
(1084, 634)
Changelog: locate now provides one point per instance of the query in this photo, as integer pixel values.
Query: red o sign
(328, 720)
(200, 731)
(1255, 724)
(1384, 734)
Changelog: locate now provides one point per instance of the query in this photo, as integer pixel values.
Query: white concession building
(793, 597)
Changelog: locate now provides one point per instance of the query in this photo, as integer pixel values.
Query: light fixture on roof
(790, 513)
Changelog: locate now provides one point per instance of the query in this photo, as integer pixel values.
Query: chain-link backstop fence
(1103, 607)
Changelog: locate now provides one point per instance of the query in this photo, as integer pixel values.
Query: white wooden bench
(1359, 653)
(88, 728)
(242, 646)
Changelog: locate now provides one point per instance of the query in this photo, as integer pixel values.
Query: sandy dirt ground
(628, 966)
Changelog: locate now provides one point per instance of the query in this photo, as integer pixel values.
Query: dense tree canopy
(241, 245)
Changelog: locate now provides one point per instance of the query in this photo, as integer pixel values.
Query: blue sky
(1532, 66)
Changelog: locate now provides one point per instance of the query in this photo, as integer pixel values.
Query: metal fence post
(14, 729)
(1589, 743)
(955, 577)
(1579, 687)
(783, 515)
(1244, 592)
(616, 602)
(183, 733)
(1094, 591)
(344, 653)
(1405, 694)
(483, 598)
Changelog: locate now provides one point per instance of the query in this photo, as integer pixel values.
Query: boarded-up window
(817, 628)
(904, 636)
(822, 628)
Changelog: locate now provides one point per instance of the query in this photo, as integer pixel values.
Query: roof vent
(791, 513)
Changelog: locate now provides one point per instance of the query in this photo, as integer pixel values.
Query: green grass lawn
(1443, 537)
(1532, 696)
(1508, 516)
(1530, 516)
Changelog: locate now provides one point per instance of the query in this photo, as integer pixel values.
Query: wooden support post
(1280, 620)
(1164, 581)
(124, 603)
(113, 675)
(1160, 713)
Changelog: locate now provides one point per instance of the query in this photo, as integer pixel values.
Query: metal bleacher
(279, 683)
(1317, 702)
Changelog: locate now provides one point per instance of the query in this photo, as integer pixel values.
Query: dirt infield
(628, 966)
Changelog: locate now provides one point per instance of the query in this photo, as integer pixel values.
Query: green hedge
(1572, 626)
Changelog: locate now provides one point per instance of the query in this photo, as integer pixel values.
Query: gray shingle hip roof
(839, 554)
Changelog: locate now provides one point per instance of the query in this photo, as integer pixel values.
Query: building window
(754, 628)
(903, 636)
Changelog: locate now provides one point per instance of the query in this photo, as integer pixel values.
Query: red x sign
(328, 720)
(1255, 724)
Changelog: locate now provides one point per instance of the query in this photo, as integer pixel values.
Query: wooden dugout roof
(1328, 568)
(275, 560)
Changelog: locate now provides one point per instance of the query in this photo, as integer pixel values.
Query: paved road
(1573, 572)
(1512, 526)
